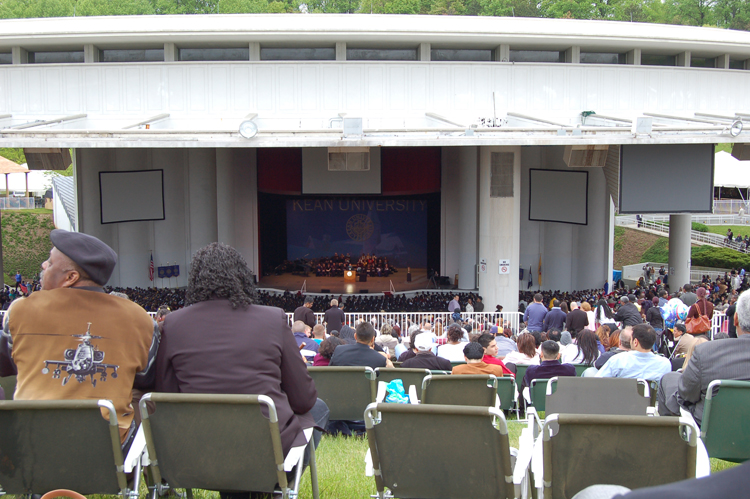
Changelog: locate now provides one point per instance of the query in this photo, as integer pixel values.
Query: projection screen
(558, 196)
(666, 178)
(131, 196)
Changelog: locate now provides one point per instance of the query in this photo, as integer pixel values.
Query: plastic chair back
(59, 444)
(214, 442)
(506, 389)
(724, 430)
(604, 444)
(611, 396)
(346, 390)
(424, 469)
(460, 389)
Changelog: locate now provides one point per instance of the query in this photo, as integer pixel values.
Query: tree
(243, 6)
(15, 155)
(119, 8)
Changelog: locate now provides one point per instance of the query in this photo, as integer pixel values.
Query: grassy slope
(26, 241)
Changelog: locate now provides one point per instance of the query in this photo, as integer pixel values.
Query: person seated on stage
(473, 353)
(425, 359)
(550, 365)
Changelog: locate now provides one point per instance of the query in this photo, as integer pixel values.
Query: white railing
(719, 323)
(406, 319)
(635, 272)
(658, 224)
(729, 206)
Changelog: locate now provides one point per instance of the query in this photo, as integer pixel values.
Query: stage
(336, 285)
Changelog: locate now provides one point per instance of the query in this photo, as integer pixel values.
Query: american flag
(151, 268)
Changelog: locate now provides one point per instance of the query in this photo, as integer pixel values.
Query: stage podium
(350, 276)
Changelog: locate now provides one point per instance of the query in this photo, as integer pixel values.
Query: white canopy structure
(730, 171)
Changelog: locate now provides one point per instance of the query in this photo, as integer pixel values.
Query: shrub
(26, 243)
(699, 227)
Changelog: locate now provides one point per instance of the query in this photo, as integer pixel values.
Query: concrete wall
(209, 195)
(573, 256)
(459, 215)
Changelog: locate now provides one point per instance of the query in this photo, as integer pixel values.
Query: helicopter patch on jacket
(82, 361)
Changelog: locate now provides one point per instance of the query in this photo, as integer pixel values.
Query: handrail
(657, 224)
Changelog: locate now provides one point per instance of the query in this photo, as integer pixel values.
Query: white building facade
(499, 97)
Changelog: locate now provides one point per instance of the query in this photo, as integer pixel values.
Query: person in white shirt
(454, 349)
(640, 362)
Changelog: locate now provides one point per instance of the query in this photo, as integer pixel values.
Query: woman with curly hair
(325, 352)
(602, 336)
(453, 350)
(225, 343)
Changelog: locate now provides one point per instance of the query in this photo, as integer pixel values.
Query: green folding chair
(8, 383)
(347, 391)
(580, 368)
(410, 377)
(460, 389)
(613, 396)
(611, 449)
(62, 444)
(507, 392)
(428, 467)
(724, 430)
(218, 442)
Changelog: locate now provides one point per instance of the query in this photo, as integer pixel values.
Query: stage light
(248, 129)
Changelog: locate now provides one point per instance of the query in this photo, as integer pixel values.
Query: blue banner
(168, 271)
(393, 228)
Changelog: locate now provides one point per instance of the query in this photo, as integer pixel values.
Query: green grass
(619, 237)
(43, 211)
(742, 230)
(658, 252)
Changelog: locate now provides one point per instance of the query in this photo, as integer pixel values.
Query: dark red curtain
(410, 170)
(280, 170)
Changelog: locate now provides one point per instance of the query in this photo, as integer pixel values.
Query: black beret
(94, 257)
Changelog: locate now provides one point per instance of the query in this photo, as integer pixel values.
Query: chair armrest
(368, 464)
(413, 398)
(702, 462)
(382, 391)
(537, 465)
(137, 452)
(523, 460)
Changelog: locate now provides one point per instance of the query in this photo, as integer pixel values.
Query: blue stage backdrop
(395, 228)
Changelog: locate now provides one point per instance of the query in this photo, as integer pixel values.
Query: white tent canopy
(38, 182)
(730, 171)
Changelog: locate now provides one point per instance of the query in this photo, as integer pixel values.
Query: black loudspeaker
(325, 290)
(364, 291)
(363, 277)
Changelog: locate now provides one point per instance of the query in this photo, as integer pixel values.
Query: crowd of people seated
(615, 335)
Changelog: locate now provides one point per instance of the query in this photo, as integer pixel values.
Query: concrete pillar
(91, 53)
(573, 55)
(459, 231)
(502, 53)
(633, 57)
(679, 251)
(202, 199)
(254, 51)
(683, 59)
(423, 52)
(340, 51)
(499, 230)
(19, 55)
(722, 62)
(171, 52)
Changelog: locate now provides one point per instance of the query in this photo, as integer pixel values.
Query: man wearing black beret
(71, 340)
